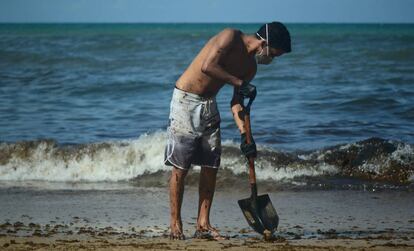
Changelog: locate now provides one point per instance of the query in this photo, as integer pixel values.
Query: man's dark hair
(279, 37)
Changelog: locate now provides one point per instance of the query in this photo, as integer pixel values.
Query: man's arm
(236, 103)
(212, 65)
(248, 149)
(236, 108)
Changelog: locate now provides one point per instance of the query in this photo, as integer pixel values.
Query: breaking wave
(141, 161)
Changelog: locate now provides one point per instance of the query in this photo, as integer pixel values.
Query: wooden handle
(252, 173)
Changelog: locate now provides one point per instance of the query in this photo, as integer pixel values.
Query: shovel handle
(252, 173)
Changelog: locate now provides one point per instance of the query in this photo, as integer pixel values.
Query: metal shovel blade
(260, 213)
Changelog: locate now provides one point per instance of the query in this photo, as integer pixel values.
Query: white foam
(403, 154)
(370, 167)
(128, 159)
(349, 145)
(289, 172)
(121, 161)
(266, 169)
(304, 156)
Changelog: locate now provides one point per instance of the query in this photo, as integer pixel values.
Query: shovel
(258, 210)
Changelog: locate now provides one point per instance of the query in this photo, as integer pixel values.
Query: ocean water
(90, 103)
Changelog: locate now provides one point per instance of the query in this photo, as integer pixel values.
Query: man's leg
(207, 186)
(176, 199)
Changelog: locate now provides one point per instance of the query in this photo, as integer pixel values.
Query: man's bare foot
(209, 233)
(177, 231)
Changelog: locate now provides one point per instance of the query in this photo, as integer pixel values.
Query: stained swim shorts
(193, 134)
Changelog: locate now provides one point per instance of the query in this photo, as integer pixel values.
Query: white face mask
(261, 58)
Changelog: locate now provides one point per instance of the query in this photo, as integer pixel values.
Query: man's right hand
(247, 90)
(249, 150)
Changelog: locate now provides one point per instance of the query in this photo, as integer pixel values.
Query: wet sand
(135, 218)
(119, 241)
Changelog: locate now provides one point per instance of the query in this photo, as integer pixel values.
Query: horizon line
(93, 22)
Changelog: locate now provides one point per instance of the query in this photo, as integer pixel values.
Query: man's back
(235, 60)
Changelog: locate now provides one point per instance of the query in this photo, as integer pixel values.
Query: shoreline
(138, 219)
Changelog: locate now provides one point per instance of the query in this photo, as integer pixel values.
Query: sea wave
(141, 161)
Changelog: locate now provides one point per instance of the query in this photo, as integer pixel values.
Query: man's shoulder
(230, 33)
(231, 30)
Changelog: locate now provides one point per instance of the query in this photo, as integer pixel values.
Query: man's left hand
(247, 90)
(249, 150)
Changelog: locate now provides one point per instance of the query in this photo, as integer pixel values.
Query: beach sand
(112, 241)
(116, 217)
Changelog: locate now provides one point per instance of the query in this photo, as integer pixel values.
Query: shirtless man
(194, 129)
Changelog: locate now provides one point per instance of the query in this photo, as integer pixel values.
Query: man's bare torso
(236, 62)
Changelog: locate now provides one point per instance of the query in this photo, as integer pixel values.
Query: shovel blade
(260, 213)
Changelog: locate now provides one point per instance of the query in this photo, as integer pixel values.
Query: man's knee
(210, 171)
(179, 173)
